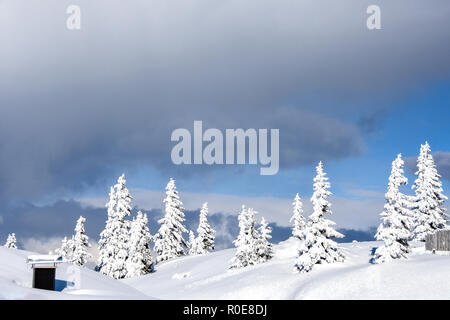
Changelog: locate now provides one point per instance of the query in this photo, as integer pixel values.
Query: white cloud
(364, 193)
(42, 245)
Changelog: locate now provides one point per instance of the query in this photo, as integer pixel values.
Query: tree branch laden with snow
(429, 213)
(169, 241)
(140, 261)
(247, 240)
(318, 246)
(206, 234)
(394, 230)
(114, 239)
(299, 221)
(264, 247)
(11, 241)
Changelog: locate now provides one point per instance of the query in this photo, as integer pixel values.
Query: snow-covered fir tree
(318, 246)
(396, 218)
(80, 242)
(247, 240)
(428, 211)
(140, 261)
(11, 241)
(66, 250)
(264, 247)
(193, 245)
(105, 249)
(206, 234)
(114, 239)
(169, 241)
(299, 221)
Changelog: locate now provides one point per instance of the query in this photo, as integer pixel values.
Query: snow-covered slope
(422, 276)
(16, 278)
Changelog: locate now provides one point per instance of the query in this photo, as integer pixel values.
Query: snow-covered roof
(44, 260)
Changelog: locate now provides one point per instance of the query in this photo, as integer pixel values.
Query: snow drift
(422, 276)
(72, 282)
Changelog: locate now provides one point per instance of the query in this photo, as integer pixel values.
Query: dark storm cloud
(441, 159)
(373, 121)
(77, 104)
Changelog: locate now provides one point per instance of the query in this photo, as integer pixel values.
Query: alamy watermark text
(237, 142)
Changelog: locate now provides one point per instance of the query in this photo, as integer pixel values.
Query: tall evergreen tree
(105, 249)
(246, 243)
(429, 213)
(169, 241)
(140, 261)
(264, 247)
(299, 221)
(396, 218)
(114, 239)
(11, 242)
(318, 246)
(206, 234)
(193, 245)
(66, 250)
(81, 244)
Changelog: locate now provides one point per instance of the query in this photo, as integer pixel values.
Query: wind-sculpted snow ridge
(207, 276)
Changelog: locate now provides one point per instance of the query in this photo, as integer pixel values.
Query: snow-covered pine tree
(264, 247)
(140, 261)
(396, 218)
(193, 245)
(105, 249)
(114, 239)
(299, 221)
(169, 241)
(428, 212)
(80, 242)
(66, 250)
(318, 246)
(11, 242)
(247, 240)
(206, 234)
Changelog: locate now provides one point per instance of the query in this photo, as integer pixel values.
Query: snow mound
(207, 276)
(288, 249)
(181, 275)
(422, 276)
(71, 282)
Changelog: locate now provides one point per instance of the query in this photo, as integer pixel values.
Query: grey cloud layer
(41, 228)
(75, 105)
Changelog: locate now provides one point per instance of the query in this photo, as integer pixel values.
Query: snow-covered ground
(16, 279)
(422, 276)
